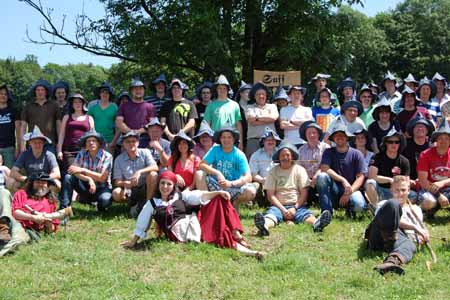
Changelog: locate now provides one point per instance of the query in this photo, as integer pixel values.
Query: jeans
(386, 222)
(275, 214)
(385, 193)
(102, 194)
(330, 192)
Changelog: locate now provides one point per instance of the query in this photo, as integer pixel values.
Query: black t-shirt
(379, 133)
(390, 167)
(201, 108)
(412, 152)
(8, 117)
(178, 113)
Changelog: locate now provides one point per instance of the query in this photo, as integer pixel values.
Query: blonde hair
(400, 178)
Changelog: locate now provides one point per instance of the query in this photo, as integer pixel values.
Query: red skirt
(218, 219)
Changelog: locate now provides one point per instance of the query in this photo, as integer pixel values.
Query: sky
(17, 17)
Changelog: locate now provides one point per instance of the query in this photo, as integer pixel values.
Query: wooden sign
(274, 79)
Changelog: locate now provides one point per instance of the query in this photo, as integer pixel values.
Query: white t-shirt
(296, 114)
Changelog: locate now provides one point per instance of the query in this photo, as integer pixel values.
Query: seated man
(90, 173)
(342, 174)
(11, 232)
(350, 112)
(159, 147)
(34, 206)
(396, 227)
(131, 174)
(261, 160)
(287, 189)
(35, 160)
(225, 167)
(433, 169)
(385, 165)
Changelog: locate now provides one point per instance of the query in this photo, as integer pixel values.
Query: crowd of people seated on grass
(192, 163)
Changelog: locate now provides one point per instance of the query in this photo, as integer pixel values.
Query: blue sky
(17, 17)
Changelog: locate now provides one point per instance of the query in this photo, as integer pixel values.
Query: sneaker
(260, 223)
(322, 221)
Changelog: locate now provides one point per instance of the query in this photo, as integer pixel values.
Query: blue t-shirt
(325, 111)
(44, 163)
(231, 164)
(347, 164)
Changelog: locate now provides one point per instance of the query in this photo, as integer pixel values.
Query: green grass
(86, 262)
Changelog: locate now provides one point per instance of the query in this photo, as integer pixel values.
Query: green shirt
(366, 116)
(221, 114)
(104, 120)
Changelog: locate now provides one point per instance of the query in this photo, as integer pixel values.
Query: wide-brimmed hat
(41, 176)
(104, 86)
(383, 103)
(124, 94)
(347, 82)
(333, 98)
(300, 88)
(444, 129)
(280, 93)
(154, 122)
(232, 130)
(419, 119)
(391, 133)
(408, 90)
(258, 86)
(439, 77)
(91, 133)
(131, 133)
(388, 76)
(319, 76)
(160, 78)
(176, 81)
(285, 145)
(136, 82)
(339, 126)
(77, 96)
(204, 85)
(366, 88)
(181, 136)
(352, 103)
(45, 84)
(244, 86)
(268, 132)
(430, 83)
(410, 79)
(374, 85)
(366, 134)
(310, 124)
(204, 129)
(61, 84)
(36, 134)
(8, 92)
(222, 80)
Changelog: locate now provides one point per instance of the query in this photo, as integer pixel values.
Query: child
(325, 113)
(396, 228)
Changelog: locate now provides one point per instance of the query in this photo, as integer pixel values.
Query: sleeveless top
(74, 131)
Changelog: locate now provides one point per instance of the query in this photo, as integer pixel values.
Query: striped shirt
(157, 102)
(310, 158)
(433, 108)
(101, 162)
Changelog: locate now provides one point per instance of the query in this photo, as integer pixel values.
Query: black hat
(61, 84)
(258, 86)
(310, 124)
(181, 136)
(352, 103)
(124, 94)
(268, 132)
(233, 131)
(391, 133)
(300, 88)
(41, 176)
(160, 78)
(366, 134)
(91, 133)
(285, 145)
(430, 83)
(204, 85)
(384, 102)
(347, 82)
(104, 86)
(419, 119)
(44, 83)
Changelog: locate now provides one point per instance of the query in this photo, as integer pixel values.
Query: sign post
(275, 79)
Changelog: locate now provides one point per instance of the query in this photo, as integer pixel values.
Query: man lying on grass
(287, 189)
(396, 228)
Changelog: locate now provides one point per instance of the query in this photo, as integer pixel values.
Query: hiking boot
(392, 263)
(260, 223)
(322, 221)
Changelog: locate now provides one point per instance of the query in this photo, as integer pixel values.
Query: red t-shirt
(189, 169)
(437, 166)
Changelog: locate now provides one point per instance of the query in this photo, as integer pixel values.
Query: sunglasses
(393, 142)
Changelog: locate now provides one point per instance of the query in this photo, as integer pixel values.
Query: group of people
(191, 163)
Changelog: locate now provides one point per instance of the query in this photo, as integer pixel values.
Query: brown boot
(5, 236)
(392, 263)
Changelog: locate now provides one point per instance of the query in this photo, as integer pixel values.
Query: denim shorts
(275, 214)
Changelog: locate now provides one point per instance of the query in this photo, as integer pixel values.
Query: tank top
(74, 131)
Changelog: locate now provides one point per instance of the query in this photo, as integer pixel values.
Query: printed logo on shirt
(5, 119)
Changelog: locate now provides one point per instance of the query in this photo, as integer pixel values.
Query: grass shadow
(365, 253)
(88, 212)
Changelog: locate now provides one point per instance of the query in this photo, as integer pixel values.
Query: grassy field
(86, 262)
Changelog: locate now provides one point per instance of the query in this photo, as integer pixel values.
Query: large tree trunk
(253, 56)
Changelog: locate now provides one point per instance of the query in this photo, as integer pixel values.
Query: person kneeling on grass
(287, 189)
(396, 228)
(174, 212)
(34, 206)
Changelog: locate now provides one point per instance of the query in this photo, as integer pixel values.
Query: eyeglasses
(393, 142)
